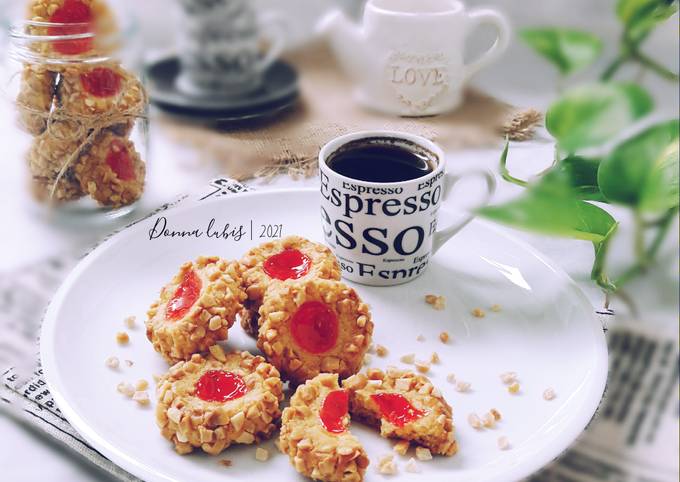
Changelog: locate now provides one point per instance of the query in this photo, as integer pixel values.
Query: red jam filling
(185, 296)
(334, 411)
(79, 15)
(101, 82)
(118, 159)
(220, 386)
(288, 264)
(396, 408)
(314, 327)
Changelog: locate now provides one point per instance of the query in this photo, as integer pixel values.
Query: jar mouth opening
(31, 39)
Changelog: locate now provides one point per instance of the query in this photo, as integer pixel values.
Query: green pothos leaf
(569, 50)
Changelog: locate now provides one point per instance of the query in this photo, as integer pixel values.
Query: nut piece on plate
(273, 262)
(405, 406)
(111, 171)
(211, 403)
(314, 326)
(196, 308)
(315, 435)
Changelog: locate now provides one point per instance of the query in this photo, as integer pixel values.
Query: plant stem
(654, 66)
(613, 67)
(505, 174)
(639, 238)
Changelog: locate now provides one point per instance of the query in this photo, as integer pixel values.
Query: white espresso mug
(384, 233)
(407, 56)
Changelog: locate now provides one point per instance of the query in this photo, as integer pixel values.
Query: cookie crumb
(141, 385)
(462, 386)
(386, 465)
(402, 447)
(451, 378)
(436, 302)
(141, 397)
(495, 308)
(130, 322)
(434, 358)
(122, 338)
(549, 394)
(422, 366)
(261, 454)
(126, 389)
(478, 313)
(412, 466)
(508, 377)
(381, 351)
(129, 363)
(423, 453)
(514, 388)
(225, 462)
(444, 337)
(112, 362)
(409, 358)
(420, 338)
(496, 414)
(488, 420)
(503, 443)
(474, 421)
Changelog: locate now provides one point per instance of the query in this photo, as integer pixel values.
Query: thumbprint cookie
(405, 406)
(196, 308)
(214, 401)
(314, 326)
(290, 258)
(315, 434)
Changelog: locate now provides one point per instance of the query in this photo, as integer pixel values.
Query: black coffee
(381, 162)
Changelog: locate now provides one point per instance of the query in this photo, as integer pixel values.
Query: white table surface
(27, 238)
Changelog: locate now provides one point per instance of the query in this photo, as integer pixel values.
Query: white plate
(546, 332)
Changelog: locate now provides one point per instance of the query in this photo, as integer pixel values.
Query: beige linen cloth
(290, 143)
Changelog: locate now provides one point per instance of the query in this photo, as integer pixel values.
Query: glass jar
(84, 108)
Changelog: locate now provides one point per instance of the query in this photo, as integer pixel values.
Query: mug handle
(498, 20)
(441, 237)
(278, 24)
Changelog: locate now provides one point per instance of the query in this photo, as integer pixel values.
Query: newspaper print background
(633, 437)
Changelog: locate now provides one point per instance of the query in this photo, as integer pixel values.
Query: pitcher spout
(347, 42)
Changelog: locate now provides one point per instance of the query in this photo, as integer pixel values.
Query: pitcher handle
(500, 45)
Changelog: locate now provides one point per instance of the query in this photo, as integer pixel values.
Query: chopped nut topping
(367, 358)
(514, 388)
(478, 313)
(474, 421)
(444, 337)
(371, 348)
(496, 414)
(141, 397)
(549, 394)
(217, 352)
(130, 322)
(403, 384)
(412, 466)
(141, 385)
(261, 454)
(451, 378)
(437, 302)
(122, 338)
(402, 447)
(112, 362)
(423, 453)
(380, 350)
(495, 308)
(488, 420)
(462, 386)
(422, 366)
(126, 389)
(386, 465)
(374, 383)
(410, 358)
(434, 358)
(508, 377)
(503, 443)
(420, 338)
